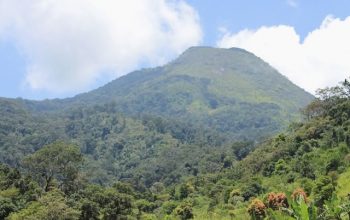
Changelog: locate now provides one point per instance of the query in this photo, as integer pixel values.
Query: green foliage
(185, 190)
(111, 203)
(51, 206)
(336, 208)
(184, 211)
(281, 167)
(89, 211)
(323, 190)
(6, 207)
(252, 189)
(169, 206)
(57, 161)
(301, 210)
(116, 206)
(150, 149)
(145, 206)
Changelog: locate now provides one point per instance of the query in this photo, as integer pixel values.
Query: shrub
(257, 209)
(299, 193)
(184, 211)
(276, 201)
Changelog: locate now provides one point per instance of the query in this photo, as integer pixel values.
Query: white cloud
(322, 59)
(69, 44)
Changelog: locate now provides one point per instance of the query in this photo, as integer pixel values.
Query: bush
(253, 189)
(257, 209)
(145, 206)
(323, 190)
(169, 206)
(184, 211)
(89, 211)
(277, 201)
(6, 207)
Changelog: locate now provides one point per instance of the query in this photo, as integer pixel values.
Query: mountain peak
(199, 49)
(220, 58)
(195, 50)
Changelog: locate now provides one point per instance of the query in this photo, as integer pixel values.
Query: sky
(57, 49)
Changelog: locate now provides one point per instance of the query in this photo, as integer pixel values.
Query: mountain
(228, 90)
(161, 124)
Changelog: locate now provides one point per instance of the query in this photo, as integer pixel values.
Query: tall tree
(57, 161)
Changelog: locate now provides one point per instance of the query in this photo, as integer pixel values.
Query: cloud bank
(70, 44)
(320, 60)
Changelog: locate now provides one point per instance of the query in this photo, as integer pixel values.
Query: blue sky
(35, 64)
(235, 15)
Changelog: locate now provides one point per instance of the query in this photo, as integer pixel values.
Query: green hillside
(299, 174)
(116, 147)
(302, 173)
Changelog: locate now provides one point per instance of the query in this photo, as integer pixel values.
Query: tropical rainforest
(215, 134)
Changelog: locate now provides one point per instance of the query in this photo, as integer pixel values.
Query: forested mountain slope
(302, 173)
(146, 150)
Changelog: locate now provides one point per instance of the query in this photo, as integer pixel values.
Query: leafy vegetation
(146, 150)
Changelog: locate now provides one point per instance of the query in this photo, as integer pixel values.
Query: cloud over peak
(321, 59)
(69, 44)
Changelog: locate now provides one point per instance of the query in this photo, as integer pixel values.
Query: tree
(110, 203)
(169, 206)
(323, 190)
(116, 205)
(315, 109)
(242, 149)
(6, 207)
(89, 211)
(184, 211)
(58, 161)
(52, 206)
(185, 190)
(252, 189)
